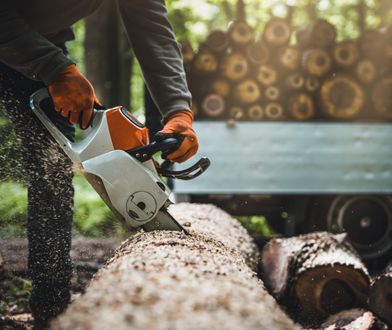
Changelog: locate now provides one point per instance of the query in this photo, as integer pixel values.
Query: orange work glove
(179, 125)
(73, 96)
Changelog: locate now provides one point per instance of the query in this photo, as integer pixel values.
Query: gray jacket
(29, 30)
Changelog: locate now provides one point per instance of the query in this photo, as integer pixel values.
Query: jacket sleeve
(25, 50)
(158, 53)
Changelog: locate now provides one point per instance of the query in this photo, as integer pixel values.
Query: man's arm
(157, 51)
(27, 51)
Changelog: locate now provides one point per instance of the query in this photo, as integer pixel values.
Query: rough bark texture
(315, 275)
(353, 319)
(380, 297)
(169, 280)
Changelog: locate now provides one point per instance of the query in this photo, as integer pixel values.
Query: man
(33, 55)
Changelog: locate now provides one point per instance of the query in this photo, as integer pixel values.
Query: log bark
(353, 319)
(315, 275)
(380, 297)
(169, 280)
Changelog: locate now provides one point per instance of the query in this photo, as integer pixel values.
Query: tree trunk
(318, 274)
(108, 58)
(169, 280)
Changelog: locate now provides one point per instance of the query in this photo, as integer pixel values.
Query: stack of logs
(234, 75)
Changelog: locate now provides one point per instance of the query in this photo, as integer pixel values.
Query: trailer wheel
(367, 221)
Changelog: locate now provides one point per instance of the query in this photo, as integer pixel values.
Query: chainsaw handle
(187, 174)
(145, 153)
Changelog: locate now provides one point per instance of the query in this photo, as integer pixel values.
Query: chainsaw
(116, 158)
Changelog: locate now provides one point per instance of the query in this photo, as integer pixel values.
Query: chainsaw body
(116, 159)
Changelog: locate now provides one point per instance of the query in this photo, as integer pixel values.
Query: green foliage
(92, 217)
(257, 226)
(15, 292)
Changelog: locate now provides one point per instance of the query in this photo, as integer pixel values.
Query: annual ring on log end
(240, 33)
(257, 53)
(247, 91)
(341, 97)
(366, 71)
(289, 58)
(346, 53)
(235, 67)
(317, 62)
(382, 97)
(255, 112)
(301, 107)
(205, 62)
(267, 75)
(213, 105)
(274, 111)
(277, 32)
(272, 93)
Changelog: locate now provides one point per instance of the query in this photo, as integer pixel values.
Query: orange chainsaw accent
(125, 130)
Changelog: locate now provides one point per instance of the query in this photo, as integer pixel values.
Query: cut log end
(346, 53)
(217, 41)
(301, 107)
(257, 53)
(235, 67)
(380, 297)
(317, 62)
(255, 112)
(267, 75)
(247, 92)
(274, 111)
(205, 62)
(213, 106)
(289, 58)
(240, 33)
(277, 32)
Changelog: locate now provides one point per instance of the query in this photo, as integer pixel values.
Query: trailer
(302, 177)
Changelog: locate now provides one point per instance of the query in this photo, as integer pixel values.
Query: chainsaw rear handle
(146, 152)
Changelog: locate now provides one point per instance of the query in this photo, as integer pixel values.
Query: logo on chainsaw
(141, 206)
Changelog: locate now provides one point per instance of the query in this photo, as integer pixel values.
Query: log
(247, 92)
(255, 112)
(353, 319)
(274, 111)
(240, 33)
(213, 106)
(346, 53)
(295, 81)
(217, 41)
(267, 74)
(366, 71)
(235, 66)
(382, 97)
(205, 62)
(169, 280)
(221, 87)
(341, 97)
(315, 275)
(318, 34)
(277, 32)
(289, 58)
(187, 52)
(272, 93)
(371, 44)
(257, 53)
(316, 62)
(312, 84)
(380, 297)
(301, 107)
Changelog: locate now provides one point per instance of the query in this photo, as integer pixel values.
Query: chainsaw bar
(163, 221)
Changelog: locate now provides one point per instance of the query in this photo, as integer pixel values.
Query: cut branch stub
(382, 97)
(315, 275)
(380, 297)
(235, 66)
(342, 97)
(277, 32)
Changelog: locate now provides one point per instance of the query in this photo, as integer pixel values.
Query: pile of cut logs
(236, 75)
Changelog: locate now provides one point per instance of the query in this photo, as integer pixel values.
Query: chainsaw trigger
(187, 174)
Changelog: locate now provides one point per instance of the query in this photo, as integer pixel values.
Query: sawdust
(168, 280)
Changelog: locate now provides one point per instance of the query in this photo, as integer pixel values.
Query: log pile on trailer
(285, 74)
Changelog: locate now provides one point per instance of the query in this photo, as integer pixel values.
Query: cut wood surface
(380, 297)
(353, 319)
(315, 275)
(169, 280)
